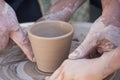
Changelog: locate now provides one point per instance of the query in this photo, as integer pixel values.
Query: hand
(76, 70)
(82, 69)
(100, 39)
(104, 34)
(104, 39)
(10, 29)
(88, 69)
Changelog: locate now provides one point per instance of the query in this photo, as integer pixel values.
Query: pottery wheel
(15, 66)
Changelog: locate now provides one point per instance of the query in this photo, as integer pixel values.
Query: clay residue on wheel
(14, 65)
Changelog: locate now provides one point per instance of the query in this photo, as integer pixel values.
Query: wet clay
(49, 31)
(14, 65)
(51, 41)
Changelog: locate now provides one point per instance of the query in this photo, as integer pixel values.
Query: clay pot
(51, 41)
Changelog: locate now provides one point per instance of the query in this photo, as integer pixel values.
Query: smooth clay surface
(49, 31)
(51, 41)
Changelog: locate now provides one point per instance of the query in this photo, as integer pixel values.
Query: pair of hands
(101, 40)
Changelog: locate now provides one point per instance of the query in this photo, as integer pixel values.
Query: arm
(113, 16)
(109, 43)
(63, 10)
(111, 12)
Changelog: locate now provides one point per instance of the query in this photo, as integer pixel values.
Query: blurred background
(32, 10)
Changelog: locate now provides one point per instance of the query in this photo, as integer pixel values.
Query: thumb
(84, 49)
(20, 38)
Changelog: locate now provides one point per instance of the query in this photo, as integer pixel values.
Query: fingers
(19, 37)
(57, 75)
(94, 35)
(61, 76)
(84, 49)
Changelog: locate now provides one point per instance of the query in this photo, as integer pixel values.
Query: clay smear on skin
(15, 67)
(10, 16)
(62, 12)
(5, 10)
(112, 33)
(98, 27)
(58, 14)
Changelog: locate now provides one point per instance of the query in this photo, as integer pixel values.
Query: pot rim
(50, 38)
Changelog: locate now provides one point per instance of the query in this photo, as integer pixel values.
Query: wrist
(111, 20)
(111, 12)
(110, 62)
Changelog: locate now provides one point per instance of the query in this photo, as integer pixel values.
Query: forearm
(111, 12)
(63, 10)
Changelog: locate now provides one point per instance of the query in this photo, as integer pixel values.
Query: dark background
(29, 10)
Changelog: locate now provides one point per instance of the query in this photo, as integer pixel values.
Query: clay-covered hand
(10, 30)
(104, 34)
(101, 38)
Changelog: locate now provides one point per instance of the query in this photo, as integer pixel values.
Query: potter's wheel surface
(15, 66)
